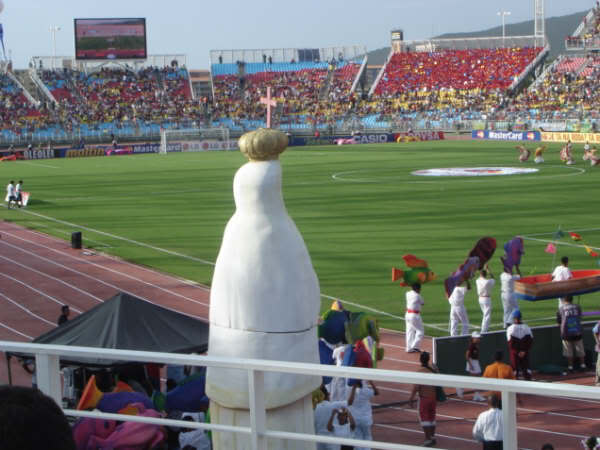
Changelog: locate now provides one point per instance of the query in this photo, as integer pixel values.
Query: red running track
(39, 273)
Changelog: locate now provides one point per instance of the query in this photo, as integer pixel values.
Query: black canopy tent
(126, 322)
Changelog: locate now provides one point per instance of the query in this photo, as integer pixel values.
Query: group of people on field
(566, 154)
(14, 194)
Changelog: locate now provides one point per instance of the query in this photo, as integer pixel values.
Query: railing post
(47, 374)
(509, 416)
(258, 415)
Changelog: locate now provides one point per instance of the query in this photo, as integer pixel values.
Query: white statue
(264, 302)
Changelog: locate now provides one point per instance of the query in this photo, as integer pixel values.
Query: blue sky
(194, 27)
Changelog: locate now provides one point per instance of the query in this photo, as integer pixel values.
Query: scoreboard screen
(101, 39)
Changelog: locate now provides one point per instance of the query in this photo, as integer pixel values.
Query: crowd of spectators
(569, 91)
(108, 100)
(306, 95)
(589, 36)
(16, 112)
(456, 84)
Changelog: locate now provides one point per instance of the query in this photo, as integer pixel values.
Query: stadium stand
(309, 93)
(449, 84)
(569, 91)
(119, 101)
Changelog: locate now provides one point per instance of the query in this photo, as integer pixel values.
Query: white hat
(475, 335)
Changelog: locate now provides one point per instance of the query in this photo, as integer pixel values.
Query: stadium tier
(304, 91)
(446, 84)
(104, 102)
(569, 90)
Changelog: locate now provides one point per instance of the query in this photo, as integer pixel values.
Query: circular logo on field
(473, 171)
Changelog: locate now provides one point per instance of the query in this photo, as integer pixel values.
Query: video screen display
(110, 39)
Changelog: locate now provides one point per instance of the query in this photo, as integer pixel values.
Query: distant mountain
(557, 28)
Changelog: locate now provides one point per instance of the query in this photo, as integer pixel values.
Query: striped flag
(575, 236)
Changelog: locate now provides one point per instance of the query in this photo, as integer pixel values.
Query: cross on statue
(271, 103)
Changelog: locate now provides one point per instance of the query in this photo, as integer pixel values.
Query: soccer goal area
(196, 140)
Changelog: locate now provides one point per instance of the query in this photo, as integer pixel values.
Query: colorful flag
(551, 248)
(575, 236)
(591, 252)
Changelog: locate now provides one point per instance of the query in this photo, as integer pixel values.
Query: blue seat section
(250, 68)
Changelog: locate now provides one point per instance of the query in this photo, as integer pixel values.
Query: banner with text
(577, 138)
(506, 135)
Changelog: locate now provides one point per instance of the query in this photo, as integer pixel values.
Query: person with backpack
(571, 332)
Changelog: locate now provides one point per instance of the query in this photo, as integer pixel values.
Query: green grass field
(358, 208)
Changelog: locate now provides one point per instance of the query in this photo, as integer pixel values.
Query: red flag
(551, 248)
(575, 236)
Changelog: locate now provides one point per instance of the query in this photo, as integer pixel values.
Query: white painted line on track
(100, 267)
(519, 408)
(37, 291)
(26, 336)
(383, 313)
(411, 430)
(114, 236)
(123, 261)
(28, 311)
(58, 280)
(102, 281)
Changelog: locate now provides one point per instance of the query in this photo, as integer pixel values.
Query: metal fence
(69, 62)
(47, 359)
(285, 55)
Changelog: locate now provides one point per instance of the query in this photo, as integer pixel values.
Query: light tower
(539, 23)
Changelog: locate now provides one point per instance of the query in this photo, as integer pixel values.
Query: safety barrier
(47, 359)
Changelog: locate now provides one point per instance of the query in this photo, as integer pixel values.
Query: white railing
(47, 359)
(26, 93)
(530, 67)
(40, 84)
(363, 67)
(380, 74)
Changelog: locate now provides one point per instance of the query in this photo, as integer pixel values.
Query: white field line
(550, 233)
(28, 311)
(519, 408)
(383, 313)
(567, 244)
(100, 267)
(342, 176)
(68, 233)
(26, 336)
(123, 261)
(37, 291)
(40, 165)
(114, 236)
(58, 280)
(83, 274)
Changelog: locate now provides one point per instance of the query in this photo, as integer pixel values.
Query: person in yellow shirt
(499, 369)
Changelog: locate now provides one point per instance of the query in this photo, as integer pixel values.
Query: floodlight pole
(53, 30)
(503, 14)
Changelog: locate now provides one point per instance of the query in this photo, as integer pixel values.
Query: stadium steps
(324, 91)
(30, 87)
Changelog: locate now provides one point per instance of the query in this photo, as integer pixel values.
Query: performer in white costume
(264, 302)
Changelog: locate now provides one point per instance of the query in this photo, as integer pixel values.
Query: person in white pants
(562, 273)
(414, 323)
(458, 312)
(359, 404)
(507, 294)
(484, 291)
